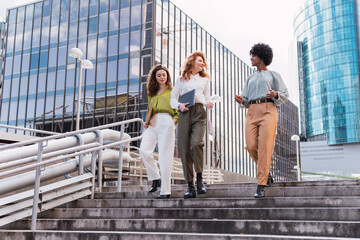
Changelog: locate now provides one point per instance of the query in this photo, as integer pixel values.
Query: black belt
(261, 100)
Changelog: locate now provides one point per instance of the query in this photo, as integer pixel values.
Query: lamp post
(296, 138)
(86, 64)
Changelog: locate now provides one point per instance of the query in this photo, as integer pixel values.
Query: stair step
(210, 226)
(290, 210)
(318, 214)
(218, 202)
(287, 184)
(111, 235)
(247, 191)
(354, 182)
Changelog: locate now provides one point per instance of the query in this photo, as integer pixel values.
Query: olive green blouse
(161, 104)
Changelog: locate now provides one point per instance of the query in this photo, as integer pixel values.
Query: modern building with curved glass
(327, 32)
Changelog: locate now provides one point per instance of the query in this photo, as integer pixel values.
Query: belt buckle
(258, 101)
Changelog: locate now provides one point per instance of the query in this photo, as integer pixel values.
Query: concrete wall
(318, 157)
(231, 177)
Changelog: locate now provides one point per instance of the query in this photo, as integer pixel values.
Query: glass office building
(284, 156)
(327, 32)
(123, 39)
(2, 35)
(40, 80)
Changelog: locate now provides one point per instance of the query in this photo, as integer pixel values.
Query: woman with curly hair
(160, 130)
(192, 120)
(262, 92)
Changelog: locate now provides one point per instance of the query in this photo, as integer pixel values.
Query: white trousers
(162, 132)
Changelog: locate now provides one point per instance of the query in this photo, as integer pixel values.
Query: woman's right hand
(239, 99)
(182, 107)
(146, 125)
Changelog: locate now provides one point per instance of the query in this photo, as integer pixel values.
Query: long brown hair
(189, 63)
(152, 85)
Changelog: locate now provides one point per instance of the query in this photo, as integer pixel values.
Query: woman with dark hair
(192, 120)
(262, 92)
(160, 130)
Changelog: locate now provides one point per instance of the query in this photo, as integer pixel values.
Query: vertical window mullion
(96, 57)
(138, 127)
(37, 70)
(107, 60)
(117, 63)
(12, 60)
(129, 61)
(28, 85)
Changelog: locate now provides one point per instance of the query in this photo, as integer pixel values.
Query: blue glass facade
(2, 35)
(40, 80)
(327, 33)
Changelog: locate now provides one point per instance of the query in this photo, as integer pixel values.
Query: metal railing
(326, 175)
(29, 129)
(210, 174)
(84, 148)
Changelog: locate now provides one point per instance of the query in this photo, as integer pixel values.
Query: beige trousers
(260, 132)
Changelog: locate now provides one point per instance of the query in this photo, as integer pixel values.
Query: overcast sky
(238, 24)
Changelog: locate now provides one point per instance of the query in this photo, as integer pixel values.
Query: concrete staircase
(291, 210)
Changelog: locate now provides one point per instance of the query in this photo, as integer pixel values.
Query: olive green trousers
(191, 131)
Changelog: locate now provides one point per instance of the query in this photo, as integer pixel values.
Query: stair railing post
(35, 208)
(93, 163)
(141, 172)
(100, 160)
(81, 156)
(120, 159)
(93, 172)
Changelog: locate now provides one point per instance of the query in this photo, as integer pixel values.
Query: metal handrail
(61, 135)
(29, 129)
(76, 133)
(79, 151)
(89, 150)
(46, 155)
(327, 175)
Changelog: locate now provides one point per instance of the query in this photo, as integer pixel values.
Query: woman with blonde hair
(192, 120)
(160, 130)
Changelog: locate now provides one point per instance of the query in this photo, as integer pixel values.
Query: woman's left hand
(174, 121)
(271, 94)
(209, 105)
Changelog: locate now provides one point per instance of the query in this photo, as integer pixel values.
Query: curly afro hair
(263, 51)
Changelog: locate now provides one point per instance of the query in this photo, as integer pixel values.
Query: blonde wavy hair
(189, 63)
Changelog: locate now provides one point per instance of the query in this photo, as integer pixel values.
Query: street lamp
(86, 64)
(296, 138)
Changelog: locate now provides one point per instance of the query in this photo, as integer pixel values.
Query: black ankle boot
(199, 184)
(269, 181)
(260, 191)
(191, 193)
(156, 183)
(163, 196)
